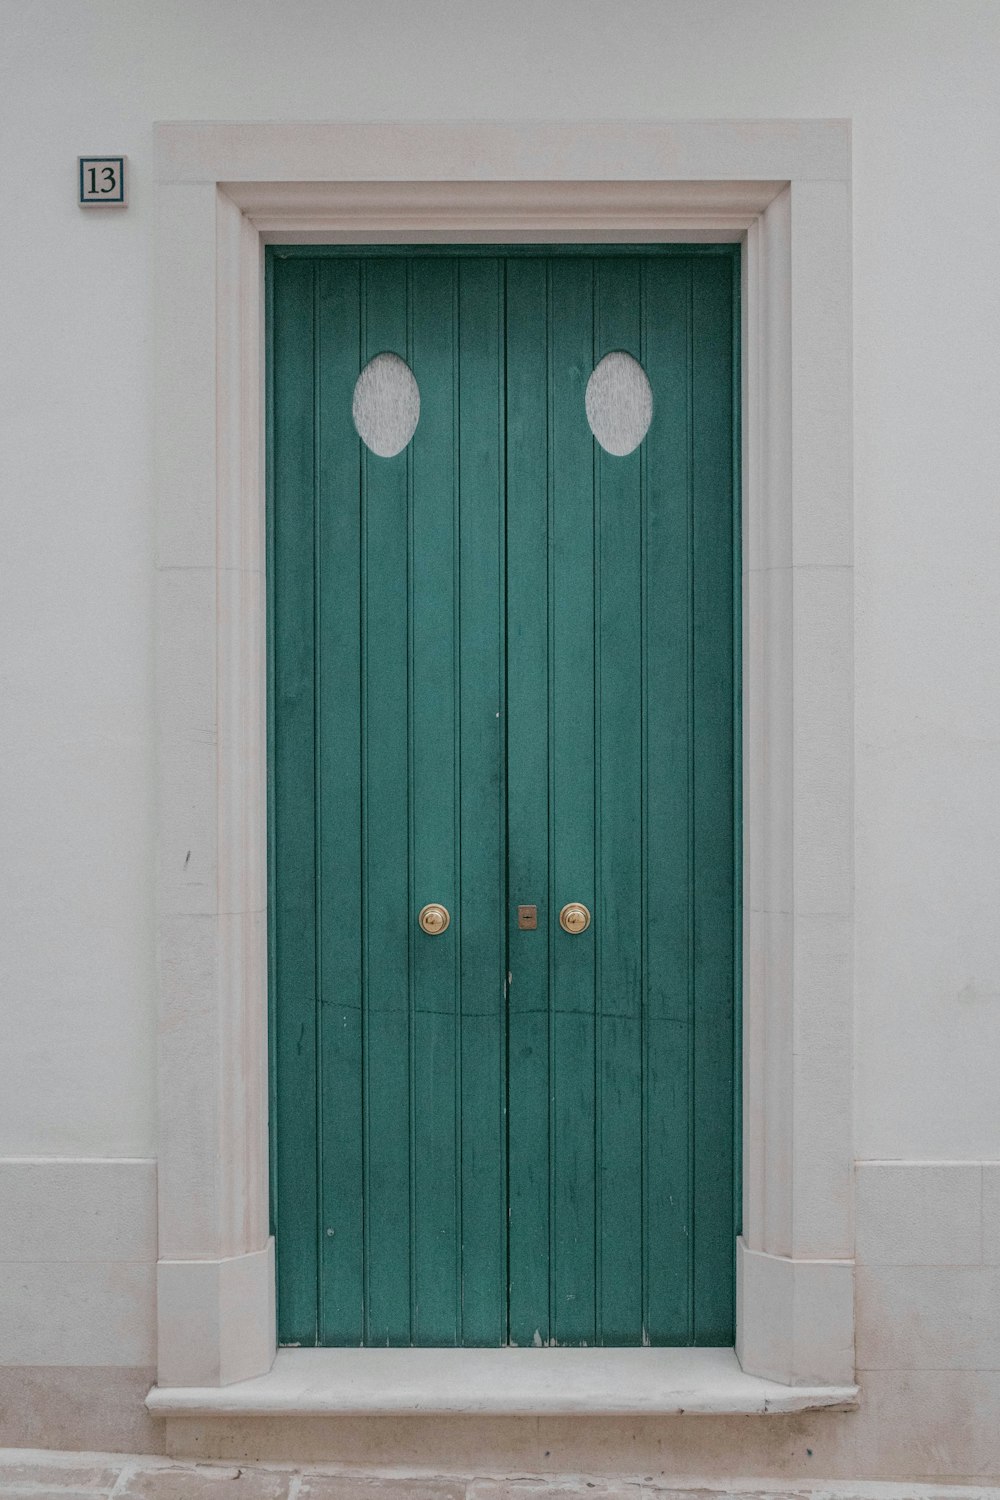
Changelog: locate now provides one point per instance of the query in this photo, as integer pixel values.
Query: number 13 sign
(102, 181)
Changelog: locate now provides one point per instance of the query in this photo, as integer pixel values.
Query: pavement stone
(317, 1486)
(205, 1482)
(42, 1475)
(48, 1492)
(82, 1476)
(555, 1489)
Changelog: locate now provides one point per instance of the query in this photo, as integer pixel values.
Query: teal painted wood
(667, 776)
(501, 644)
(618, 927)
(572, 805)
(293, 896)
(528, 777)
(482, 1097)
(508, 253)
(338, 792)
(386, 931)
(435, 833)
(712, 797)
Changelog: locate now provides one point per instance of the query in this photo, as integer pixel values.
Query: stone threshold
(501, 1382)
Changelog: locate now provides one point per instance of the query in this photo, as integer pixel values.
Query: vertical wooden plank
(434, 806)
(294, 807)
(339, 797)
(270, 634)
(528, 797)
(482, 932)
(713, 800)
(388, 914)
(669, 1225)
(618, 916)
(572, 803)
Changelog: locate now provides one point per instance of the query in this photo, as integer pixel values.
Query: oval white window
(619, 403)
(386, 405)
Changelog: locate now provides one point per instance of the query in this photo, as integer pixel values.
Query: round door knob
(434, 918)
(574, 917)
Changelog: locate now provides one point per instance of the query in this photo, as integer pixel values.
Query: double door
(504, 808)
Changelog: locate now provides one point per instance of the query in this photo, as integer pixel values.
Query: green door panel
(504, 670)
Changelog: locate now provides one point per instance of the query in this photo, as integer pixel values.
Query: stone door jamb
(782, 188)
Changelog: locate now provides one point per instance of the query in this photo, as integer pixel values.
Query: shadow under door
(504, 810)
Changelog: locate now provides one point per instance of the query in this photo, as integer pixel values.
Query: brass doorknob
(574, 917)
(433, 918)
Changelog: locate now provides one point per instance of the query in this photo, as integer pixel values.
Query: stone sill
(501, 1382)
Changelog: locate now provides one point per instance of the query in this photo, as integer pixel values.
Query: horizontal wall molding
(545, 212)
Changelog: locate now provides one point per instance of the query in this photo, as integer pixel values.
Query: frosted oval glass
(386, 405)
(619, 403)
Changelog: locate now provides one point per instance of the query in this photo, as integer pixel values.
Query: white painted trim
(783, 187)
(503, 1382)
(425, 212)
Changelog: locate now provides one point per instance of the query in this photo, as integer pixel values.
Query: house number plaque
(101, 181)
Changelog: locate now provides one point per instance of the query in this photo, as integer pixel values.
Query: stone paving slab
(205, 1482)
(46, 1492)
(318, 1486)
(23, 1466)
(27, 1474)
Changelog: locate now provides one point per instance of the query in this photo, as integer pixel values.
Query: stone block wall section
(77, 1302)
(77, 1318)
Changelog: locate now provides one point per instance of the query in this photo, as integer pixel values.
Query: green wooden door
(504, 667)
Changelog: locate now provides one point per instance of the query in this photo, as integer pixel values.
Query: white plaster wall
(917, 78)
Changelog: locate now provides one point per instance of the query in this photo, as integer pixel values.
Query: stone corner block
(215, 1319)
(795, 1318)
